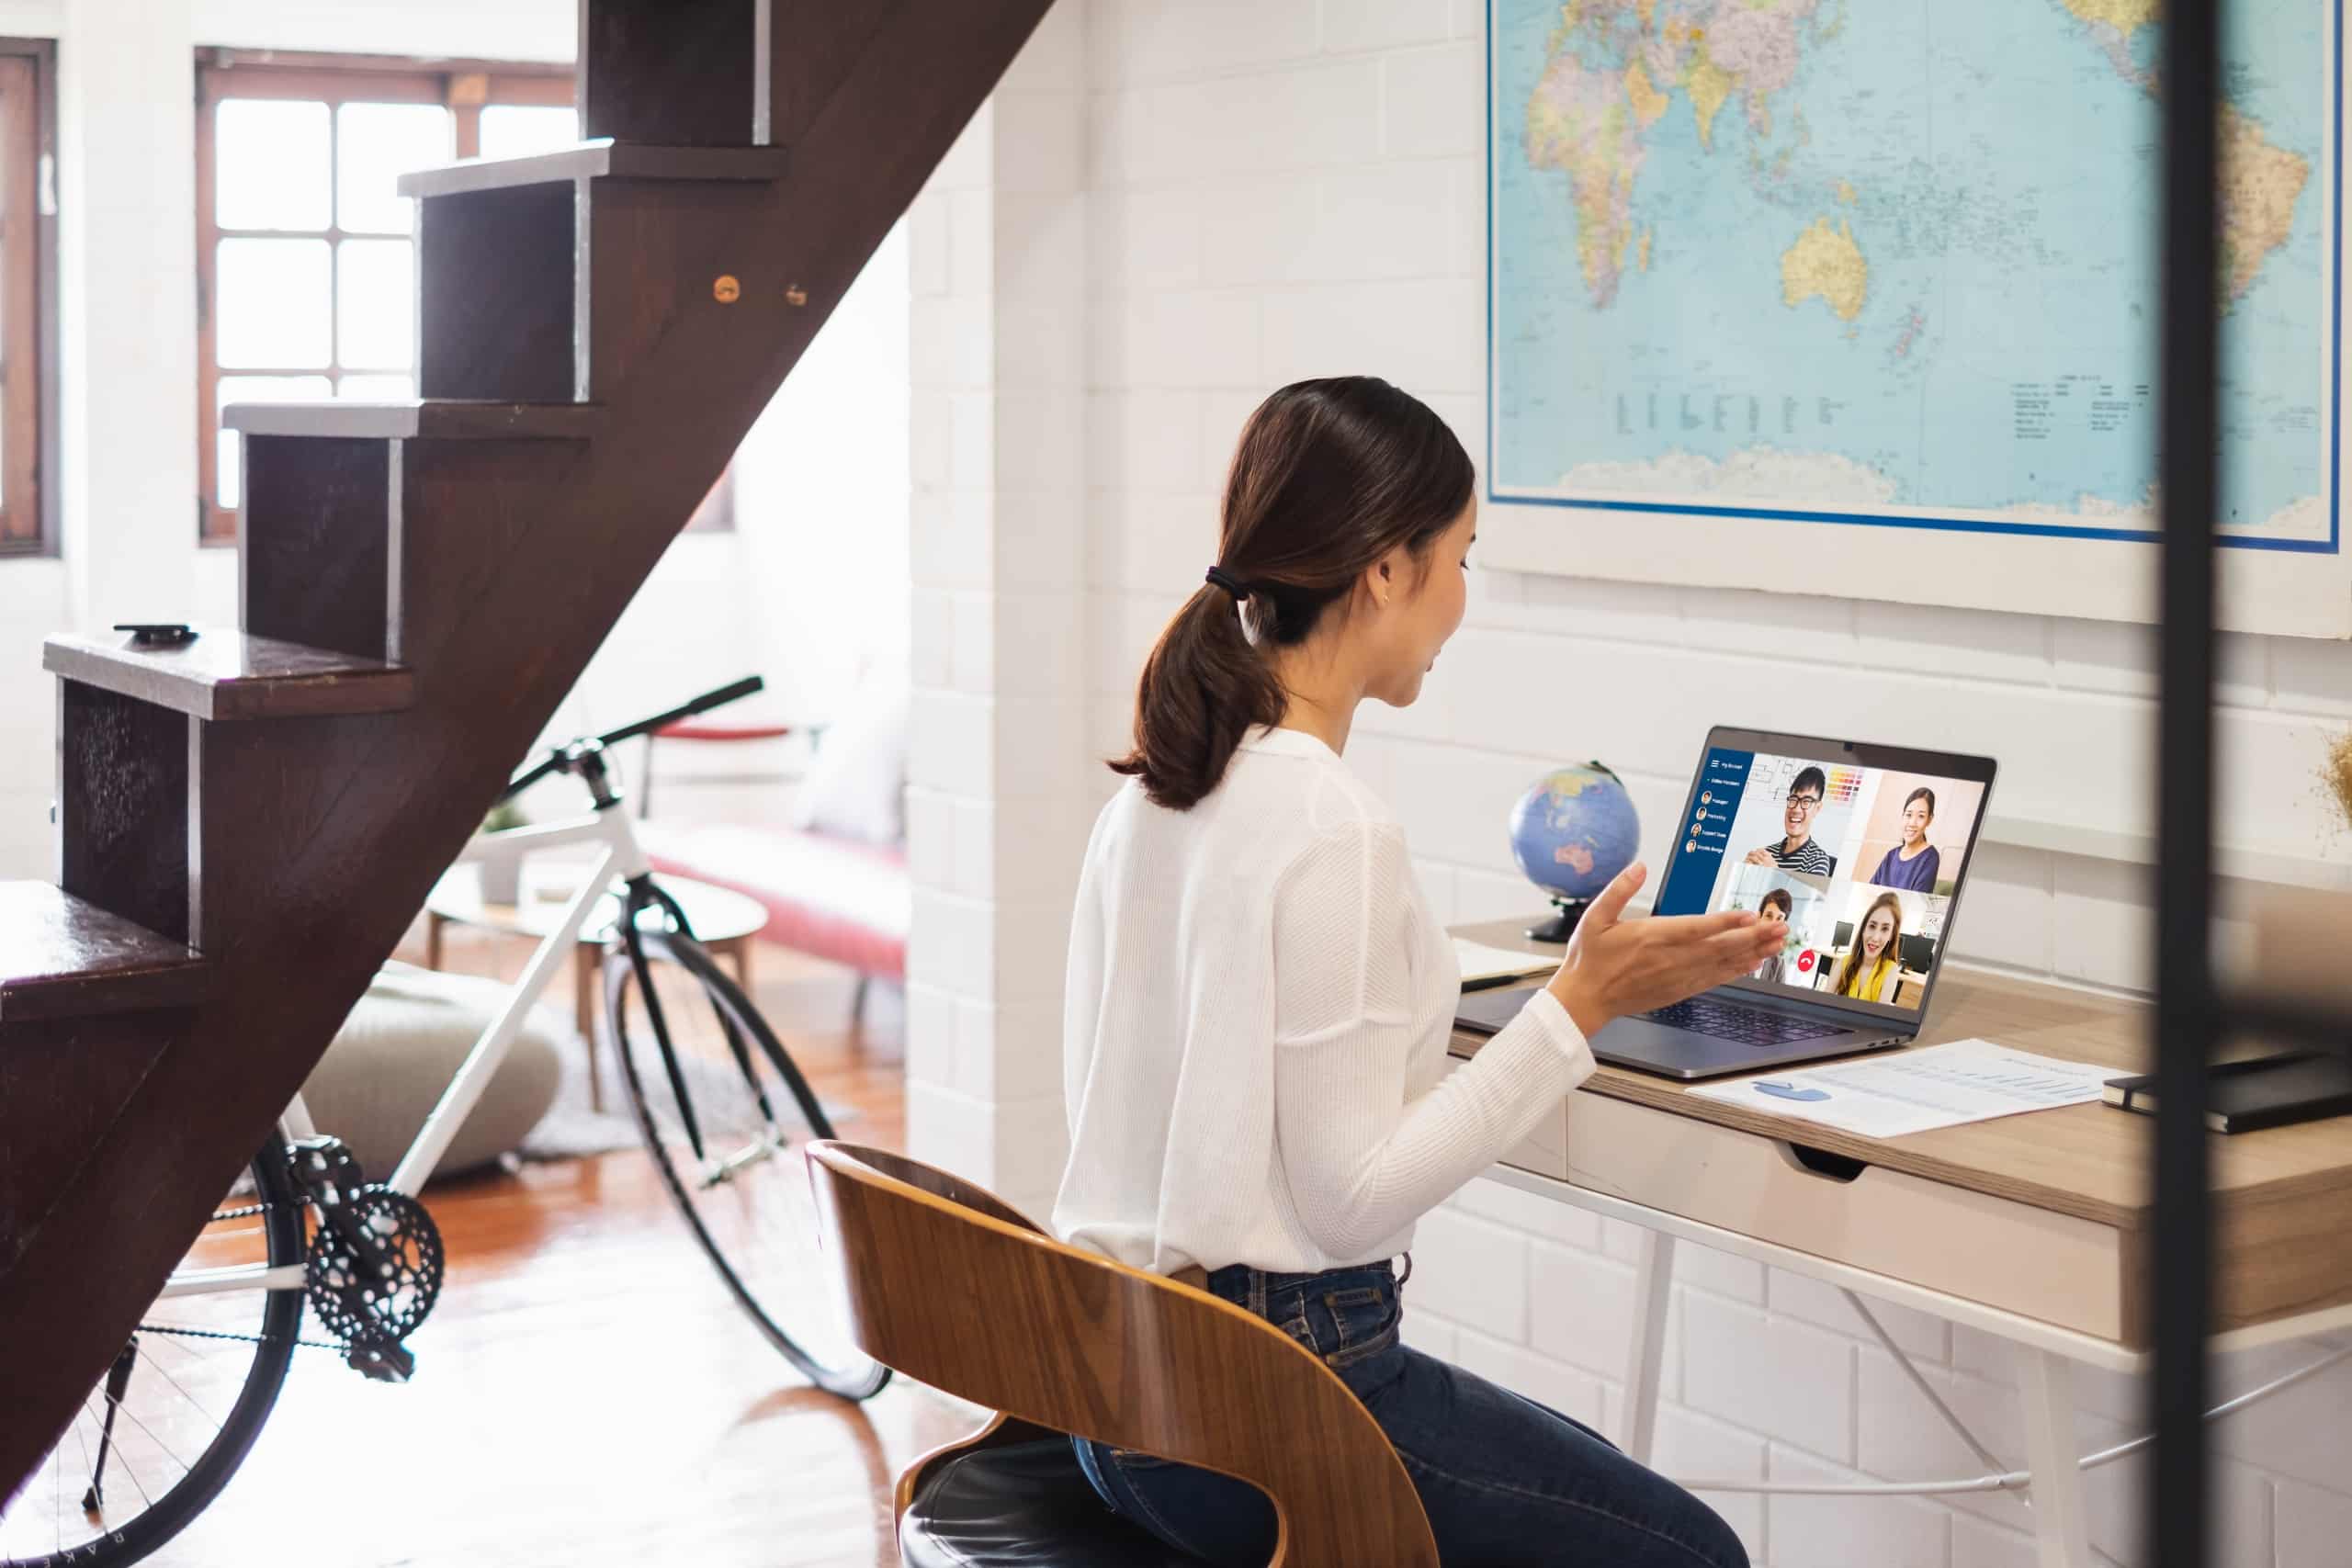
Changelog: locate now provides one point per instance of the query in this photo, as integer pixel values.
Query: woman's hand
(1614, 967)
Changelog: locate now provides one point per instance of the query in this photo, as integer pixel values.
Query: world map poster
(1893, 263)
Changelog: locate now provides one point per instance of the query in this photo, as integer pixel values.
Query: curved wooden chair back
(951, 1286)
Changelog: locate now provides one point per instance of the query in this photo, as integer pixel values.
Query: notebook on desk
(1860, 849)
(2262, 1091)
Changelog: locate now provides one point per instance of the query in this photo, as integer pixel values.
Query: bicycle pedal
(382, 1362)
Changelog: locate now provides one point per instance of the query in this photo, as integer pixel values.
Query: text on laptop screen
(1860, 863)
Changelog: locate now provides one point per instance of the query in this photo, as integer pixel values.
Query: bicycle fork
(644, 894)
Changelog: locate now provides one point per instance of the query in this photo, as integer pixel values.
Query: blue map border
(2331, 546)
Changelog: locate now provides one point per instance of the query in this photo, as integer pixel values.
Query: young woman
(1259, 998)
(1877, 952)
(1776, 907)
(1914, 863)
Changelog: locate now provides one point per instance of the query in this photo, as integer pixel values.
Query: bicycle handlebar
(733, 692)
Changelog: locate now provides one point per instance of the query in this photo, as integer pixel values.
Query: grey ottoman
(398, 1049)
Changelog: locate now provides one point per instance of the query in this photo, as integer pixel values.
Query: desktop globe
(1572, 832)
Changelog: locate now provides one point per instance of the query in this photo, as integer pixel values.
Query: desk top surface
(2089, 1160)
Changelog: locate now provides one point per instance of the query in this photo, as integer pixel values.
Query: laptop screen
(1858, 850)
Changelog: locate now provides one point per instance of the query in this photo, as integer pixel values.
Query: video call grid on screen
(1853, 847)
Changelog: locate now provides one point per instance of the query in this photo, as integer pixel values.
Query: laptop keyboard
(1749, 1026)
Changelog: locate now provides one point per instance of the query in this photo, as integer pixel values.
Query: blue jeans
(1505, 1481)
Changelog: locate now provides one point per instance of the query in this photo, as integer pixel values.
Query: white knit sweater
(1254, 1034)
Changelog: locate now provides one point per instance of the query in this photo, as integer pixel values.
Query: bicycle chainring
(374, 1272)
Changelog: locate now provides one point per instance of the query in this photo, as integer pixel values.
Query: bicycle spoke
(183, 1392)
(126, 1410)
(136, 1485)
(88, 1464)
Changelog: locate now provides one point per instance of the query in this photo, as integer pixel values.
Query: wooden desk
(2033, 1227)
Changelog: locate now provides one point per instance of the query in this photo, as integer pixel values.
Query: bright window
(306, 268)
(28, 300)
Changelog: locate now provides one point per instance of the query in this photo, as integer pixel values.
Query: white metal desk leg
(1652, 1285)
(2046, 1384)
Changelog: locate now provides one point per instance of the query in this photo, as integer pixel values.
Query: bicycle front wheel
(167, 1425)
(722, 1106)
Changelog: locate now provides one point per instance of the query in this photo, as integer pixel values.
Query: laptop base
(1680, 1054)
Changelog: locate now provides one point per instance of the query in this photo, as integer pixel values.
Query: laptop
(1859, 850)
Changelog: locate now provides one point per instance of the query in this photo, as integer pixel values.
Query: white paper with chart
(1916, 1091)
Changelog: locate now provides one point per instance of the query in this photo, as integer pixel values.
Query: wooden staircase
(247, 823)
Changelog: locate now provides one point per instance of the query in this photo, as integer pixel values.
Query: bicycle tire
(165, 1517)
(852, 1377)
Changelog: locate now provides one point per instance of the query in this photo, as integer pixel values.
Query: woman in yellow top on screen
(1877, 952)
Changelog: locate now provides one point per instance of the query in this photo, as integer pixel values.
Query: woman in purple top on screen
(1913, 864)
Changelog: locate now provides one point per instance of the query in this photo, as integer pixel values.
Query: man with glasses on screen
(1797, 852)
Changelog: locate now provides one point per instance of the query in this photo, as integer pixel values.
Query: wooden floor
(585, 1392)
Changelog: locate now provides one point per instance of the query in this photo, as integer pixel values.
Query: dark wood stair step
(419, 419)
(227, 675)
(600, 160)
(63, 958)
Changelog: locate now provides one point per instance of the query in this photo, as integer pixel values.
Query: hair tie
(1220, 578)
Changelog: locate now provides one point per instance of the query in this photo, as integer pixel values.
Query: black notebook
(2264, 1091)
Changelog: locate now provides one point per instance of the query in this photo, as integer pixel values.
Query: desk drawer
(2005, 1254)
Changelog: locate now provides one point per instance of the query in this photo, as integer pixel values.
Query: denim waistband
(1260, 1290)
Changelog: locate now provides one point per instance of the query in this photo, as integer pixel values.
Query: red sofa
(830, 896)
(834, 880)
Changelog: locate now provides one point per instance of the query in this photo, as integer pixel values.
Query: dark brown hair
(1328, 476)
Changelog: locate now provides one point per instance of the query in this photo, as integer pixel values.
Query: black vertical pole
(2179, 1523)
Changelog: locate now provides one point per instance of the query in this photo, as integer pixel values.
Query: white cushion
(398, 1049)
(853, 790)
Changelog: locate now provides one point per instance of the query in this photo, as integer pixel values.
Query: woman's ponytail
(1204, 686)
(1330, 476)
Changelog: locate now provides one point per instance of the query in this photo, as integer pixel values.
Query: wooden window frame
(28, 498)
(465, 87)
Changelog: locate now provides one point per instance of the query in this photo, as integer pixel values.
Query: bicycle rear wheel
(727, 1085)
(165, 1428)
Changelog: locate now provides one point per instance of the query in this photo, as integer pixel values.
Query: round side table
(724, 921)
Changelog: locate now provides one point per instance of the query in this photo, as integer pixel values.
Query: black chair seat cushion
(1022, 1506)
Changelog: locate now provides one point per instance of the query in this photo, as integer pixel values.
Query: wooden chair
(951, 1286)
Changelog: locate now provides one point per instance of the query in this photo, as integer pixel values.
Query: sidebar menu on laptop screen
(1860, 863)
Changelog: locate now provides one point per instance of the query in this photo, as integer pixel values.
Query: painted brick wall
(996, 810)
(1281, 188)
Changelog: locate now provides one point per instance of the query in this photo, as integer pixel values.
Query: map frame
(2283, 586)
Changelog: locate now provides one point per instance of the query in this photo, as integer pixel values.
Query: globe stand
(1562, 925)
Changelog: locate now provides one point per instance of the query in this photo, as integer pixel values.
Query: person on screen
(1777, 908)
(1877, 953)
(1796, 851)
(1913, 864)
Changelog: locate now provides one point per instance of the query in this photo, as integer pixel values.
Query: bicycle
(304, 1223)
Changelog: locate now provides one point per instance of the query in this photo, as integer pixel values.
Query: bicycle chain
(248, 1212)
(246, 1339)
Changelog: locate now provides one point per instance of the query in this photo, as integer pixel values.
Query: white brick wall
(1280, 189)
(999, 247)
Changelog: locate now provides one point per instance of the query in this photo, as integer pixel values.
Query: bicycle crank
(374, 1265)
